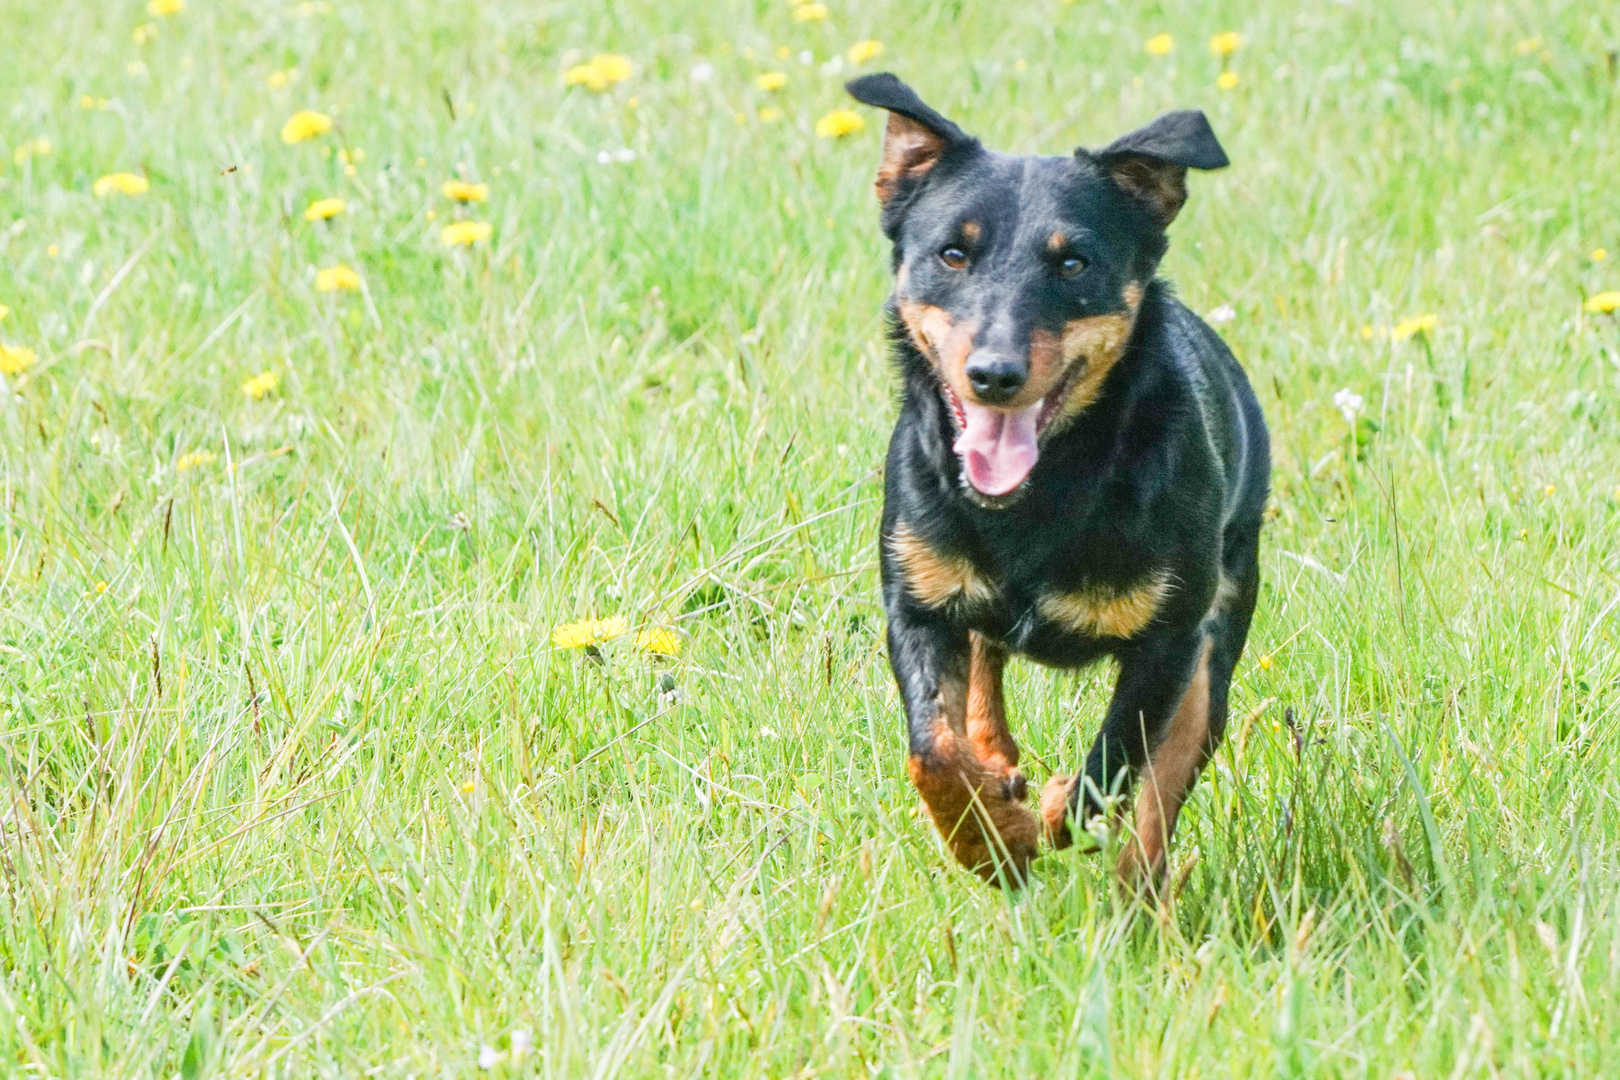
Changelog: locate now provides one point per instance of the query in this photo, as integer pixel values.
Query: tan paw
(1055, 811)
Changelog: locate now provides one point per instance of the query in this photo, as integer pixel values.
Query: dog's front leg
(975, 804)
(1157, 725)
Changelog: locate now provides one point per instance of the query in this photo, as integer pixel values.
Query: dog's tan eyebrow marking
(934, 579)
(1057, 241)
(1106, 612)
(971, 231)
(1132, 295)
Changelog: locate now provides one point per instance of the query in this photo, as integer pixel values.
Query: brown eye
(1071, 266)
(953, 257)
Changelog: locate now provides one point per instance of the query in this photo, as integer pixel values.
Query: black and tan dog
(1079, 470)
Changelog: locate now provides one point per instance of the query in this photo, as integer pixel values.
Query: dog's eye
(953, 257)
(1071, 266)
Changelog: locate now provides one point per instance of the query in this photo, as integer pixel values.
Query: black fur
(1166, 472)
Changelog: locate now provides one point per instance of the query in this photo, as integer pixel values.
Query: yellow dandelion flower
(771, 80)
(1265, 663)
(465, 233)
(335, 278)
(261, 385)
(601, 73)
(1159, 45)
(324, 209)
(1226, 80)
(1599, 254)
(278, 79)
(589, 632)
(305, 124)
(1549, 490)
(1527, 46)
(810, 13)
(122, 183)
(838, 123)
(161, 8)
(4, 311)
(461, 191)
(865, 51)
(769, 115)
(1604, 303)
(96, 590)
(1417, 324)
(53, 251)
(659, 640)
(143, 34)
(195, 460)
(16, 359)
(1226, 43)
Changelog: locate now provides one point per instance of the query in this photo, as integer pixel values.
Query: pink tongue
(998, 448)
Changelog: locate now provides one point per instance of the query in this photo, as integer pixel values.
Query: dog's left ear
(1150, 165)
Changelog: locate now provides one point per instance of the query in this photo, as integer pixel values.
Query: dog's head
(1019, 278)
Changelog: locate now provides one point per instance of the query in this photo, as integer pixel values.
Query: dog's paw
(1055, 798)
(998, 842)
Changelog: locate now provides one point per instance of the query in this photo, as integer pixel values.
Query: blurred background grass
(297, 783)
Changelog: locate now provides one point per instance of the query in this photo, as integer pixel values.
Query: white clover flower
(522, 1042)
(1222, 315)
(489, 1057)
(702, 72)
(807, 58)
(1349, 403)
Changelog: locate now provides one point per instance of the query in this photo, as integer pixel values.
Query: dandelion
(771, 81)
(1527, 46)
(195, 460)
(279, 79)
(1226, 80)
(1265, 663)
(865, 51)
(1160, 45)
(1349, 403)
(336, 278)
(838, 123)
(160, 8)
(465, 233)
(324, 209)
(462, 191)
(143, 34)
(588, 633)
(600, 74)
(53, 251)
(701, 72)
(122, 183)
(659, 640)
(1417, 324)
(4, 311)
(31, 148)
(1599, 254)
(1222, 315)
(97, 589)
(1549, 490)
(1604, 303)
(1226, 43)
(261, 385)
(770, 115)
(810, 13)
(16, 359)
(305, 124)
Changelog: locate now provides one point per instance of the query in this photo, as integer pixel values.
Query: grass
(296, 784)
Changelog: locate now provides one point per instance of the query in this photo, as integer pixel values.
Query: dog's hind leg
(987, 731)
(1200, 720)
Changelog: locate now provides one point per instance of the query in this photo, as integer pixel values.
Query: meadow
(439, 629)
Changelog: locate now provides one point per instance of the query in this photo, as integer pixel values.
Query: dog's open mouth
(998, 448)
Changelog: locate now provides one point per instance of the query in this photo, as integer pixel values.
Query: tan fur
(1103, 613)
(986, 710)
(1057, 242)
(934, 579)
(945, 342)
(971, 231)
(1162, 188)
(984, 828)
(910, 150)
(1168, 779)
(1055, 811)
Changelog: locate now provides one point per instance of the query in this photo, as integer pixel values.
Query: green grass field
(296, 782)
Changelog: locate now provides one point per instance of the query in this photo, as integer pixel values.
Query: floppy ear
(1150, 165)
(915, 140)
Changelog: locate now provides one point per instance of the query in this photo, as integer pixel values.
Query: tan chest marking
(934, 579)
(1106, 613)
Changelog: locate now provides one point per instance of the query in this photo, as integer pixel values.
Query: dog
(1079, 469)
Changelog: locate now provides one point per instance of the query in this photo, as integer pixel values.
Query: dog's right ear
(915, 140)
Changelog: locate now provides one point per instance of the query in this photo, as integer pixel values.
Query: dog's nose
(995, 378)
